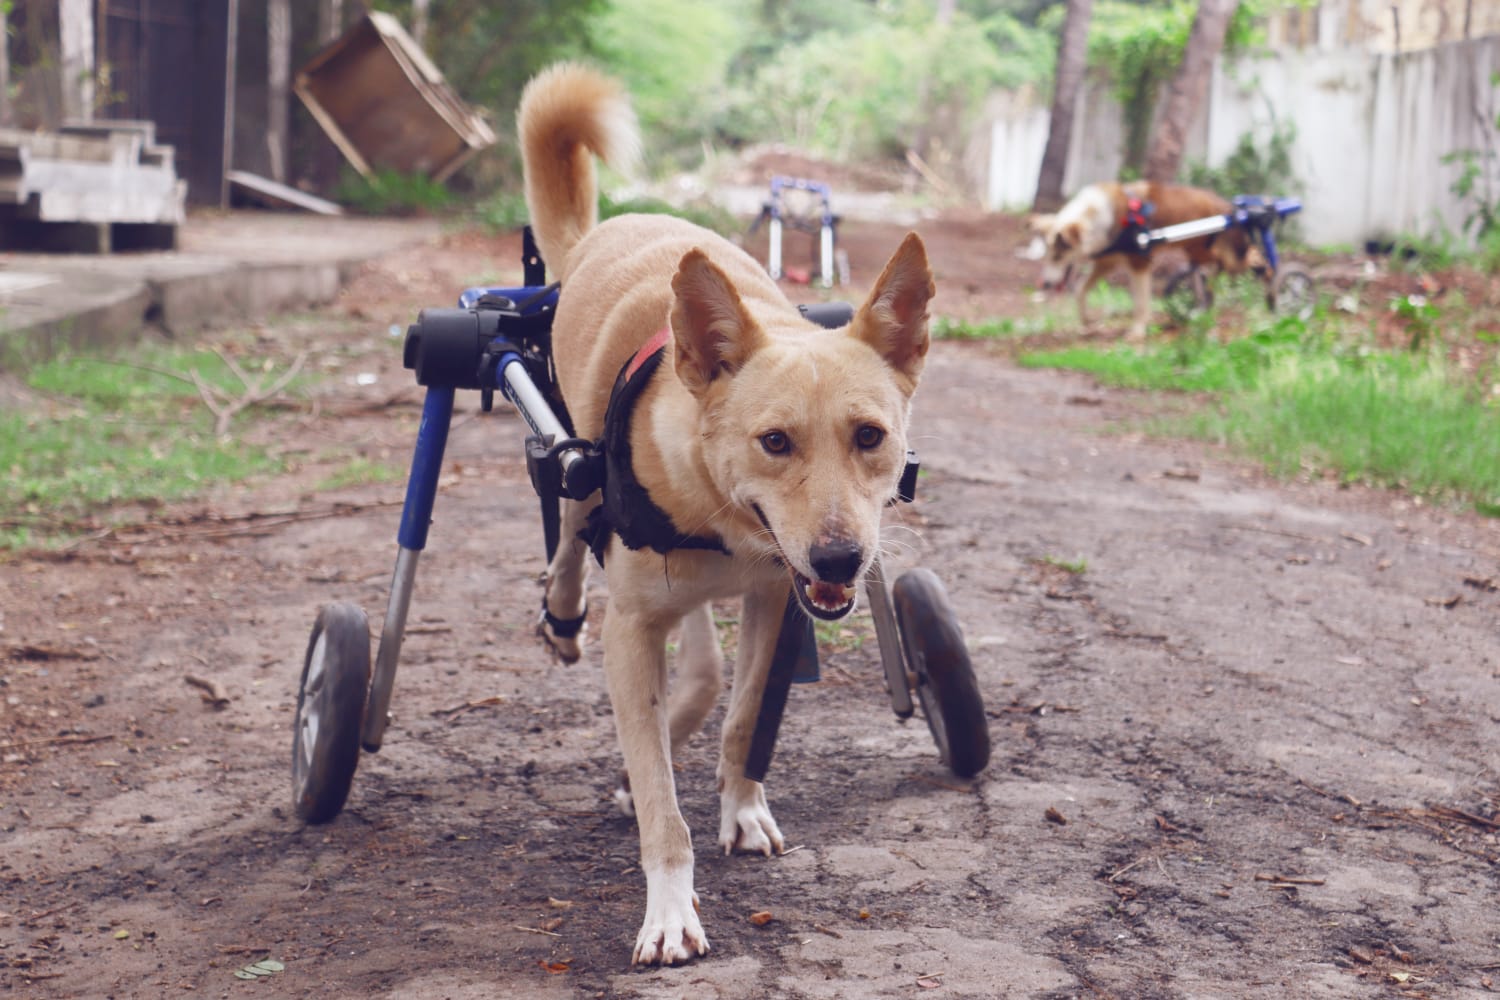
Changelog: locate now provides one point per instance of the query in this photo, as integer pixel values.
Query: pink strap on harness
(659, 340)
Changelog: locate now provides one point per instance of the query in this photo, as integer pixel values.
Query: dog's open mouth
(819, 598)
(828, 601)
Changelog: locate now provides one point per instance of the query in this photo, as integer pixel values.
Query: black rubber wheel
(1187, 294)
(1293, 292)
(945, 683)
(330, 712)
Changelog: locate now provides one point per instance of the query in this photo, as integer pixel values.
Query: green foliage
(504, 209)
(673, 56)
(1075, 567)
(390, 192)
(1138, 46)
(1253, 167)
(707, 214)
(866, 89)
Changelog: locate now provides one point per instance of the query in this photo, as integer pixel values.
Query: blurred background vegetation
(844, 79)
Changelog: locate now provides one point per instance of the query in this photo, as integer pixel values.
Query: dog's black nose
(837, 561)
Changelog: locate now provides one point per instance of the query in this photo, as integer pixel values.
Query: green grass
(360, 471)
(1195, 362)
(1077, 567)
(1302, 396)
(1386, 419)
(114, 432)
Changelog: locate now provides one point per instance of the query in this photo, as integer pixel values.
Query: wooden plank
(268, 192)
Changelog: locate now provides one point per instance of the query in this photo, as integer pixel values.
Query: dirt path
(1248, 752)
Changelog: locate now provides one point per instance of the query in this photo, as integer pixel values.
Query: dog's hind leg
(695, 688)
(635, 668)
(745, 821)
(563, 601)
(700, 673)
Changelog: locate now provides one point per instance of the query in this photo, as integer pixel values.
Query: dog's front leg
(635, 668)
(1095, 275)
(745, 820)
(1140, 291)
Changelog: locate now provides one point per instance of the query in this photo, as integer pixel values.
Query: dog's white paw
(672, 932)
(624, 801)
(745, 821)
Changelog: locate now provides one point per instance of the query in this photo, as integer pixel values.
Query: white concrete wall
(1372, 131)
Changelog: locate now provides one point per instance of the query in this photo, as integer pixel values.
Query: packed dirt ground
(1244, 731)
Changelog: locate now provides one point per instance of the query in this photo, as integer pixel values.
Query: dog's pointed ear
(1071, 235)
(714, 332)
(893, 319)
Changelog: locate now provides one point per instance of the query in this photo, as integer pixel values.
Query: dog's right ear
(893, 319)
(714, 332)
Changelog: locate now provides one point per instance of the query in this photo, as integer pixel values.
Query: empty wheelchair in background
(815, 217)
(499, 339)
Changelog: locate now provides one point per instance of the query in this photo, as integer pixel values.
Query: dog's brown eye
(869, 436)
(776, 442)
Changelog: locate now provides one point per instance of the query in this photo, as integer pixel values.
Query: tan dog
(1086, 228)
(779, 441)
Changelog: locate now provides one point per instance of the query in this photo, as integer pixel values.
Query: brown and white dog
(1086, 229)
(777, 441)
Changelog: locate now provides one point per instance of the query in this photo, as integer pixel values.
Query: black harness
(627, 509)
(1136, 220)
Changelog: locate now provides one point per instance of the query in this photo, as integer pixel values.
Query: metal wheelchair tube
(392, 633)
(416, 518)
(1190, 230)
(534, 408)
(888, 637)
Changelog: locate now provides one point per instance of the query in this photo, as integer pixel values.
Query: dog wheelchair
(776, 216)
(1290, 289)
(499, 339)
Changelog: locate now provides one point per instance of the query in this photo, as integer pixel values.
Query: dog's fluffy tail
(568, 115)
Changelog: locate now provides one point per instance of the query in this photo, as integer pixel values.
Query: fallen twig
(1284, 880)
(224, 407)
(56, 739)
(469, 706)
(1134, 864)
(536, 930)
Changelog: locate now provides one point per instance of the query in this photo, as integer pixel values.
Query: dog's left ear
(714, 332)
(893, 319)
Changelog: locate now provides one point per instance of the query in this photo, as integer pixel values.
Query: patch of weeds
(359, 471)
(1304, 397)
(391, 192)
(1074, 567)
(503, 210)
(845, 634)
(116, 431)
(1387, 419)
(707, 215)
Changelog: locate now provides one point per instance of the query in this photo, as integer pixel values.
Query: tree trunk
(419, 21)
(330, 20)
(921, 139)
(4, 66)
(278, 82)
(1072, 62)
(1188, 88)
